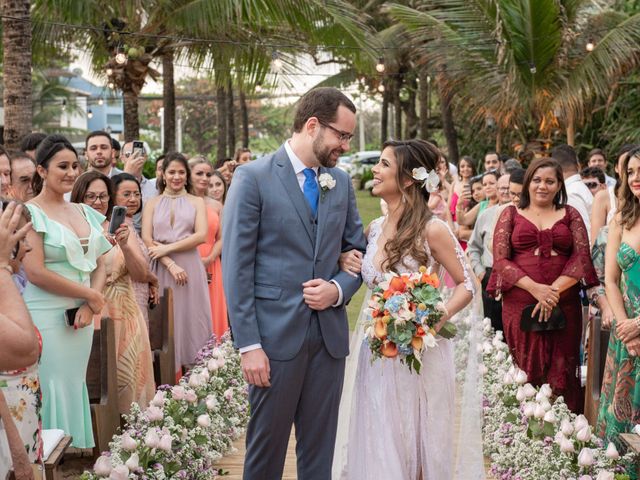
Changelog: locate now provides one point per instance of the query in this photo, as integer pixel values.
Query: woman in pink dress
(201, 173)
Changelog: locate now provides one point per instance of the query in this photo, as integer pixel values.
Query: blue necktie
(310, 189)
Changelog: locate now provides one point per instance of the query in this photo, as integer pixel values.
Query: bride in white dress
(395, 424)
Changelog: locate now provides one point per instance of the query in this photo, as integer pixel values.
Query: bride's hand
(351, 262)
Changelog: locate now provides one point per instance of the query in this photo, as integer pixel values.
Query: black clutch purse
(529, 324)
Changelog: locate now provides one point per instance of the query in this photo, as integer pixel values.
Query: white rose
(584, 434)
(529, 390)
(196, 380)
(151, 439)
(546, 405)
(228, 394)
(580, 422)
(121, 472)
(221, 362)
(154, 414)
(546, 390)
(585, 457)
(165, 443)
(507, 379)
(102, 467)
(566, 427)
(190, 396)
(500, 356)
(487, 347)
(585, 477)
(499, 336)
(605, 475)
(178, 392)
(520, 396)
(211, 402)
(429, 340)
(204, 373)
(566, 446)
(486, 322)
(529, 409)
(612, 452)
(133, 463)
(216, 353)
(558, 437)
(212, 365)
(550, 417)
(204, 420)
(539, 412)
(521, 377)
(158, 399)
(128, 443)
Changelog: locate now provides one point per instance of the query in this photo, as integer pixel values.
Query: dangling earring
(404, 198)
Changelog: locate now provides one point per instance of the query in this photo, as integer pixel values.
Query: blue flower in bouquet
(395, 303)
(405, 349)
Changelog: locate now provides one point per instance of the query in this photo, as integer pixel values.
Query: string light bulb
(100, 101)
(380, 65)
(276, 61)
(121, 57)
(109, 72)
(258, 87)
(381, 88)
(111, 85)
(532, 68)
(590, 45)
(89, 114)
(64, 104)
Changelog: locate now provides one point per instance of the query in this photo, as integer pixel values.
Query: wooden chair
(161, 338)
(596, 358)
(52, 463)
(102, 384)
(632, 441)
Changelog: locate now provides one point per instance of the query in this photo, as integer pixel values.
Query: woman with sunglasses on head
(201, 175)
(123, 263)
(66, 272)
(173, 225)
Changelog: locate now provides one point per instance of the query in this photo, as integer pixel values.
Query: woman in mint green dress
(65, 271)
(619, 409)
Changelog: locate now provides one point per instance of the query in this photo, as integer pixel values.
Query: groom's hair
(322, 103)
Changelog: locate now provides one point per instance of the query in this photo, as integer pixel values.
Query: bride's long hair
(409, 239)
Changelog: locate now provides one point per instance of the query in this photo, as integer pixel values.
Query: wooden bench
(52, 463)
(596, 358)
(161, 337)
(102, 384)
(632, 441)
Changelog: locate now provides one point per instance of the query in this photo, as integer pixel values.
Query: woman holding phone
(66, 273)
(124, 263)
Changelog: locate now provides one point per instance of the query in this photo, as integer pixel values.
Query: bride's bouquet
(404, 309)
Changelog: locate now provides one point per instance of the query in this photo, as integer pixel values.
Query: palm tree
(524, 63)
(16, 42)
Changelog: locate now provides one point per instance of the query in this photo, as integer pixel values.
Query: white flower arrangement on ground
(527, 436)
(187, 428)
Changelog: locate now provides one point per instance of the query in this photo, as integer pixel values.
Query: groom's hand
(255, 368)
(319, 294)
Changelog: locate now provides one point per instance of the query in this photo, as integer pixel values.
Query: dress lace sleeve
(579, 265)
(466, 269)
(505, 273)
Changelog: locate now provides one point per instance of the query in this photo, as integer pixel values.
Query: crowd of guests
(554, 246)
(64, 265)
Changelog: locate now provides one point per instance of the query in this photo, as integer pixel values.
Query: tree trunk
(16, 41)
(411, 126)
(131, 121)
(448, 127)
(244, 111)
(423, 103)
(384, 117)
(169, 102)
(231, 119)
(221, 99)
(397, 109)
(571, 130)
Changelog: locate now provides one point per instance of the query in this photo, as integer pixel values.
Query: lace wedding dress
(395, 424)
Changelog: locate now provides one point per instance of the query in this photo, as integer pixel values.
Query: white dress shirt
(610, 181)
(298, 168)
(580, 198)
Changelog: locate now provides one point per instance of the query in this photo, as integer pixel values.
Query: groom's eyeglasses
(342, 136)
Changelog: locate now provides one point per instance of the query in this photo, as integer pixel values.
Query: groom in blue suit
(287, 218)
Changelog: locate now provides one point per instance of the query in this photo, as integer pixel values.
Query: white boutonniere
(326, 182)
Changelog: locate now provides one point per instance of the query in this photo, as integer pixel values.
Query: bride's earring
(404, 198)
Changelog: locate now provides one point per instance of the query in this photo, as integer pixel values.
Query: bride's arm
(447, 252)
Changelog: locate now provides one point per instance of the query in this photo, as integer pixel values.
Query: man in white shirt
(596, 158)
(578, 194)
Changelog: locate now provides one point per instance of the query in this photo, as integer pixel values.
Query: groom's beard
(324, 154)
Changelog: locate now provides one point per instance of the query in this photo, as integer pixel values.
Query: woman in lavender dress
(173, 225)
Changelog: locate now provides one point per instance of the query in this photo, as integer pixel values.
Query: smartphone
(117, 217)
(138, 146)
(70, 316)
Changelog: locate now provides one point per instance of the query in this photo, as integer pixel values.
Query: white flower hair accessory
(431, 180)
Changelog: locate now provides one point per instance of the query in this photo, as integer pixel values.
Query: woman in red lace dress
(541, 253)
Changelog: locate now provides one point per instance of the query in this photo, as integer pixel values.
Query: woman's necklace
(177, 194)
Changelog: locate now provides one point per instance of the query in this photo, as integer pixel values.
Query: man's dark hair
(115, 144)
(596, 151)
(566, 156)
(322, 103)
(593, 172)
(96, 133)
(31, 141)
(517, 176)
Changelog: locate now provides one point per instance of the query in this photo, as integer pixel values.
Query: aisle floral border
(530, 436)
(187, 428)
